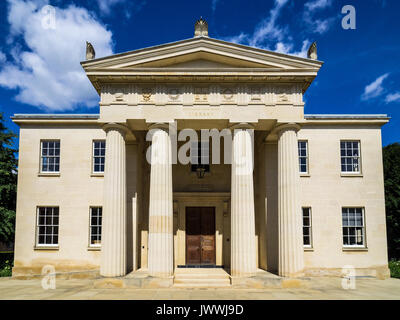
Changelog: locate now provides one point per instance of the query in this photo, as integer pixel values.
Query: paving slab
(319, 289)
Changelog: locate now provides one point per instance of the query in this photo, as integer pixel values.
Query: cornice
(200, 44)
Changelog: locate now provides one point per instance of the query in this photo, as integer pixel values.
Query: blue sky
(39, 57)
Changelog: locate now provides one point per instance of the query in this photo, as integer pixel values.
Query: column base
(141, 279)
(246, 282)
(299, 274)
(109, 283)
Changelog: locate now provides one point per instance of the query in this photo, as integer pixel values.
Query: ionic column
(160, 243)
(243, 247)
(291, 260)
(113, 234)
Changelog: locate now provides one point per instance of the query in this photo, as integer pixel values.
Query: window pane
(306, 226)
(47, 228)
(350, 156)
(98, 156)
(95, 225)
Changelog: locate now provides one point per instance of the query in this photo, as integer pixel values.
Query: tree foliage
(391, 165)
(8, 184)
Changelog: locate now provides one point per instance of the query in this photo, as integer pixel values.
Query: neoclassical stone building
(299, 195)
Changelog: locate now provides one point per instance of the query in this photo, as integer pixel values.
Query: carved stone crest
(227, 93)
(146, 94)
(174, 94)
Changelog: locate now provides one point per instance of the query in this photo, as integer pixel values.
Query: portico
(234, 236)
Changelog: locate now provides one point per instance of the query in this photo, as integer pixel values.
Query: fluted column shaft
(243, 248)
(291, 260)
(161, 254)
(113, 235)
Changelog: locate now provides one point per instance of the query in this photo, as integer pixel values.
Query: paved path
(321, 288)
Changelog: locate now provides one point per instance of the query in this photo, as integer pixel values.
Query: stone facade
(201, 83)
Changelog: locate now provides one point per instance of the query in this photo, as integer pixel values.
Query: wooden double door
(200, 236)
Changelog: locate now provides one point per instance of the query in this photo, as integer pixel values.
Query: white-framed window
(200, 155)
(303, 156)
(50, 156)
(350, 156)
(307, 228)
(47, 226)
(99, 156)
(95, 226)
(353, 222)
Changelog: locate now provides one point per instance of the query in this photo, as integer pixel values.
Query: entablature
(212, 94)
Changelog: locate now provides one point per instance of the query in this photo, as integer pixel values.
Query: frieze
(214, 94)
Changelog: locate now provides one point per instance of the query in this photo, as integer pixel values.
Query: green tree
(8, 184)
(391, 165)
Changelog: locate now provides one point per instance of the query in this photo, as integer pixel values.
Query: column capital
(165, 126)
(285, 127)
(241, 126)
(115, 126)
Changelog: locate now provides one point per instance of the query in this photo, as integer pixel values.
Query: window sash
(50, 156)
(47, 226)
(307, 227)
(303, 156)
(353, 227)
(350, 156)
(99, 156)
(95, 225)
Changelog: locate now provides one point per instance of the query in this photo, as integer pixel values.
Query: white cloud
(47, 73)
(129, 6)
(393, 97)
(374, 89)
(106, 5)
(288, 49)
(268, 28)
(323, 25)
(317, 25)
(318, 4)
(268, 31)
(240, 38)
(3, 57)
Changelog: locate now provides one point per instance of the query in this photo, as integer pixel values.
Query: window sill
(101, 175)
(308, 249)
(47, 248)
(49, 174)
(305, 175)
(94, 248)
(354, 249)
(358, 175)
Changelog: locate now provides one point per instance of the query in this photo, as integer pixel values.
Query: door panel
(207, 236)
(200, 235)
(193, 236)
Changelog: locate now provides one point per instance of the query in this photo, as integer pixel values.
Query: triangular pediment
(201, 53)
(201, 59)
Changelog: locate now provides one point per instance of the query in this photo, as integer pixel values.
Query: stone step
(201, 280)
(201, 276)
(202, 285)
